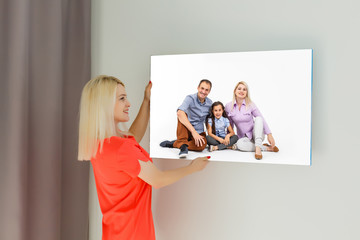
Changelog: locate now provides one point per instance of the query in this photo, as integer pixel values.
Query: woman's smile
(241, 91)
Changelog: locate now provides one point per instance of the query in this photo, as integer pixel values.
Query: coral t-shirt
(125, 199)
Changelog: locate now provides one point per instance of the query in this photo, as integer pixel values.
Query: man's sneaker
(168, 144)
(183, 151)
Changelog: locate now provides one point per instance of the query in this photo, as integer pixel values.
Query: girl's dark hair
(211, 115)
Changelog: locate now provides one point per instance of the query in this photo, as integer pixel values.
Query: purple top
(244, 119)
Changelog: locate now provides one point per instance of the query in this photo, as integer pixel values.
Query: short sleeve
(128, 157)
(227, 122)
(210, 121)
(186, 104)
(228, 112)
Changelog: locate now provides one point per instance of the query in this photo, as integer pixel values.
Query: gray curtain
(44, 63)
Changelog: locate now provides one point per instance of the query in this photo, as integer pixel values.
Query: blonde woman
(251, 127)
(124, 172)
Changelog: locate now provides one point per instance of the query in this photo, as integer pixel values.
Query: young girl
(220, 135)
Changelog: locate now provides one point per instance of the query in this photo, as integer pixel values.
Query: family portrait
(239, 107)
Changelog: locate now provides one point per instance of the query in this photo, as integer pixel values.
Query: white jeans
(248, 145)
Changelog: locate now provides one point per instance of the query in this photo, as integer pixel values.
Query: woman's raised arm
(141, 121)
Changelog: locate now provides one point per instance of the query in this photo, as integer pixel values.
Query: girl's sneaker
(211, 148)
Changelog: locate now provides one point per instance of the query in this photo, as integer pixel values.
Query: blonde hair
(96, 115)
(247, 98)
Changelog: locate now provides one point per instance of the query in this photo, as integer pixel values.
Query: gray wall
(238, 200)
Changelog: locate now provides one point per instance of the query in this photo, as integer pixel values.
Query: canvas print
(238, 107)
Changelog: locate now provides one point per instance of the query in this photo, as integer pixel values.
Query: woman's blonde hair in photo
(247, 98)
(96, 115)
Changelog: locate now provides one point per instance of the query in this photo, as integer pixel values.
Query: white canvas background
(279, 84)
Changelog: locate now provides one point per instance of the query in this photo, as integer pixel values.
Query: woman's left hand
(147, 93)
(271, 140)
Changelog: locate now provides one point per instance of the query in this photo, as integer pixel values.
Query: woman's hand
(271, 140)
(147, 93)
(199, 163)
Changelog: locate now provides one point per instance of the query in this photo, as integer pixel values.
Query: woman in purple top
(251, 127)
